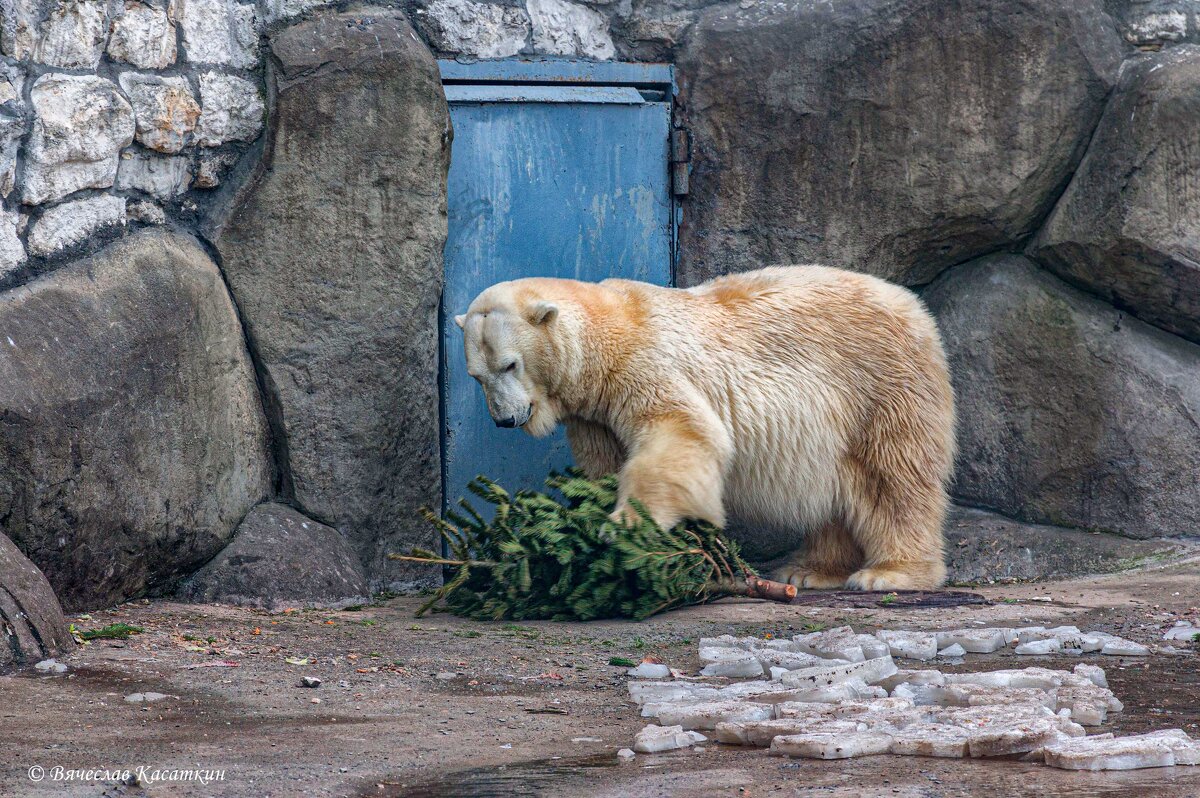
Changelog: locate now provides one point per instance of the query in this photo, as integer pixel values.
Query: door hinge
(681, 159)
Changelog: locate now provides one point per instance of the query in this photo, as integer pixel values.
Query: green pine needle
(542, 558)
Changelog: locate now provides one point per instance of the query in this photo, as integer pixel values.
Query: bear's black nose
(511, 421)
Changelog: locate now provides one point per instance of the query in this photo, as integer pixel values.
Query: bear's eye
(511, 367)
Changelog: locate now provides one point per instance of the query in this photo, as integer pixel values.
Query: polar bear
(799, 397)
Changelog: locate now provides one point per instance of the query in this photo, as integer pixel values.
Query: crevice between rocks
(240, 181)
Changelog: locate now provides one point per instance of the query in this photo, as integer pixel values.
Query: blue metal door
(558, 169)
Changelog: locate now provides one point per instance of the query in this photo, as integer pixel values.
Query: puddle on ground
(517, 780)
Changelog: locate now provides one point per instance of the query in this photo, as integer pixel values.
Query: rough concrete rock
(13, 115)
(73, 35)
(69, 223)
(19, 28)
(336, 265)
(564, 28)
(231, 110)
(165, 112)
(280, 558)
(133, 439)
(276, 10)
(211, 168)
(895, 137)
(144, 36)
(161, 176)
(220, 32)
(481, 30)
(145, 211)
(32, 626)
(1128, 226)
(1069, 412)
(1155, 23)
(987, 547)
(12, 251)
(80, 125)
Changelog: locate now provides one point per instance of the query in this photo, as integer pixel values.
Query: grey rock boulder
(132, 436)
(984, 547)
(280, 558)
(32, 626)
(1070, 412)
(333, 250)
(1128, 226)
(895, 137)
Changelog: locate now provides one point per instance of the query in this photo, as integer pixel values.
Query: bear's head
(508, 337)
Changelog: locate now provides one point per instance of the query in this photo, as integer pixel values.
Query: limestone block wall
(117, 115)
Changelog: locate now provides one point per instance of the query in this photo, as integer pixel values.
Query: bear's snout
(518, 420)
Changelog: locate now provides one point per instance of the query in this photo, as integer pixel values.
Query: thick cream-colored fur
(792, 398)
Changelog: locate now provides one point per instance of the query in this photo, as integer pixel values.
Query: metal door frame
(548, 79)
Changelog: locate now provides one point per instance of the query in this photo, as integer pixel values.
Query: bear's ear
(542, 312)
(461, 321)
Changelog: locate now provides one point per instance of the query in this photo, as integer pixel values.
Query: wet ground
(440, 706)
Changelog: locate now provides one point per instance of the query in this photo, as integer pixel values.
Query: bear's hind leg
(901, 538)
(830, 555)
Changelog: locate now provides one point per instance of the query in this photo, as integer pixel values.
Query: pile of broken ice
(836, 694)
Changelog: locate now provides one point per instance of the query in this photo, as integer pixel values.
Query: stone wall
(117, 115)
(297, 156)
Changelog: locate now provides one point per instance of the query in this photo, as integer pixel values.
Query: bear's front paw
(624, 514)
(900, 576)
(803, 577)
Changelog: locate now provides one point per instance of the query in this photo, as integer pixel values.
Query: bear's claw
(810, 580)
(918, 576)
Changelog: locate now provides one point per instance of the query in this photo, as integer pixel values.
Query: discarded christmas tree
(542, 558)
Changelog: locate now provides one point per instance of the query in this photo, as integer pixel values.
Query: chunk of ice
(761, 733)
(1047, 645)
(839, 643)
(923, 695)
(730, 662)
(788, 660)
(930, 739)
(850, 690)
(903, 676)
(832, 745)
(977, 641)
(1093, 673)
(650, 670)
(653, 739)
(1015, 738)
(729, 641)
(1038, 678)
(952, 650)
(910, 645)
(708, 714)
(869, 671)
(1089, 705)
(655, 692)
(974, 695)
(1034, 633)
(1125, 648)
(872, 646)
(1156, 749)
(1182, 630)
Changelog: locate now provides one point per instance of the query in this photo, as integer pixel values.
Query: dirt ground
(441, 706)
